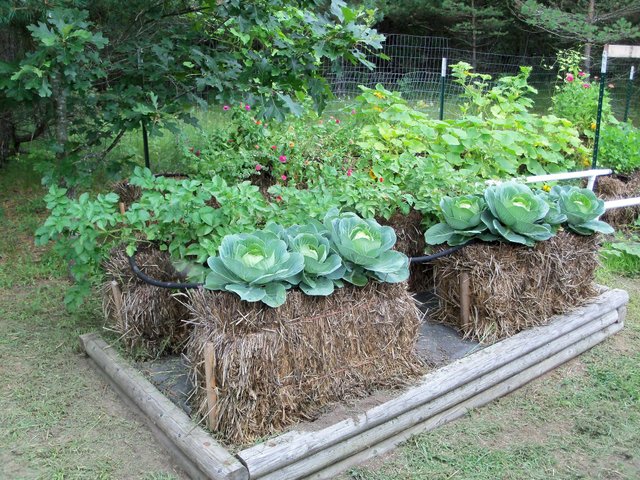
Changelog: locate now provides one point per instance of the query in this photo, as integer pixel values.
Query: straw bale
(513, 287)
(274, 367)
(617, 187)
(411, 242)
(149, 319)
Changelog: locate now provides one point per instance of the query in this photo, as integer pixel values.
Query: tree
(582, 21)
(116, 65)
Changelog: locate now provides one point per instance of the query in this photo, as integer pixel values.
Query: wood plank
(396, 425)
(116, 293)
(465, 298)
(622, 51)
(207, 455)
(293, 446)
(210, 384)
(476, 401)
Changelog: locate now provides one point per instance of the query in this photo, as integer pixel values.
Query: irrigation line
(178, 285)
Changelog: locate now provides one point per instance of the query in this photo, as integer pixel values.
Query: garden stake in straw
(603, 72)
(145, 138)
(443, 79)
(629, 90)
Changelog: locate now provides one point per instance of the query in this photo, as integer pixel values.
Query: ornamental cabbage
(365, 247)
(255, 266)
(516, 213)
(462, 221)
(323, 268)
(582, 209)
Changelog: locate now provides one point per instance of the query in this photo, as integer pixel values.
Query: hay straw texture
(273, 367)
(514, 287)
(410, 241)
(150, 320)
(614, 188)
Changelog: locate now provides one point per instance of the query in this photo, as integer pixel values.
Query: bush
(619, 148)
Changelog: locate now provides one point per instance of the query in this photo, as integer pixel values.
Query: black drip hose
(157, 283)
(443, 253)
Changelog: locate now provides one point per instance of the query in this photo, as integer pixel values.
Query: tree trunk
(591, 14)
(13, 42)
(62, 130)
(474, 35)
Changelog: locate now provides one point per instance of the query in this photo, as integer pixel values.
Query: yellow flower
(546, 188)
(379, 94)
(372, 174)
(593, 125)
(586, 162)
(377, 108)
(291, 144)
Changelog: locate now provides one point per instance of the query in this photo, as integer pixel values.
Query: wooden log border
(440, 397)
(195, 450)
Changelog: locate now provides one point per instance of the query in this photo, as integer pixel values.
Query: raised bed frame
(440, 397)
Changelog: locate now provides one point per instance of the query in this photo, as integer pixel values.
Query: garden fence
(414, 69)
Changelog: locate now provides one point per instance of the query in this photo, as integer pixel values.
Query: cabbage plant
(256, 266)
(323, 269)
(582, 209)
(462, 221)
(365, 247)
(516, 213)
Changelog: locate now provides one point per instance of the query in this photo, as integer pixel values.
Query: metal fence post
(443, 79)
(603, 76)
(629, 90)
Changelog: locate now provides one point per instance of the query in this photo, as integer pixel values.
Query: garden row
(290, 230)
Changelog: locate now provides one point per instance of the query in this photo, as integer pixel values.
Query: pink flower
(582, 74)
(273, 147)
(381, 179)
(569, 78)
(349, 172)
(257, 147)
(353, 112)
(586, 85)
(225, 108)
(258, 167)
(283, 159)
(278, 198)
(284, 178)
(247, 107)
(337, 120)
(197, 153)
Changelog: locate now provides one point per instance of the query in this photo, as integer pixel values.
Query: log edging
(440, 397)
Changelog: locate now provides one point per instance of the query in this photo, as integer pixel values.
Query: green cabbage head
(462, 221)
(255, 266)
(365, 247)
(516, 213)
(582, 209)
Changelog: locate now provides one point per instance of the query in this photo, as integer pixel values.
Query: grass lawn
(59, 420)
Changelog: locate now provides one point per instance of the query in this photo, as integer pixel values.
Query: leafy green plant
(576, 96)
(365, 248)
(582, 209)
(516, 214)
(256, 266)
(619, 148)
(462, 221)
(323, 268)
(622, 255)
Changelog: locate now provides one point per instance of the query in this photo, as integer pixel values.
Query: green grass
(59, 420)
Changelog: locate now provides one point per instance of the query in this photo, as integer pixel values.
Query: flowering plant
(574, 98)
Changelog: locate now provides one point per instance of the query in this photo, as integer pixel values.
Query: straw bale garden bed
(292, 328)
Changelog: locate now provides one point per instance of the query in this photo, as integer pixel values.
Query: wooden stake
(122, 208)
(465, 298)
(117, 301)
(210, 383)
